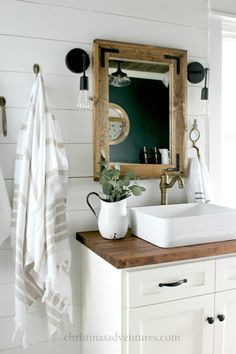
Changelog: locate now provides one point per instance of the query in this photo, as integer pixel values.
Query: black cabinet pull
(210, 320)
(176, 283)
(221, 318)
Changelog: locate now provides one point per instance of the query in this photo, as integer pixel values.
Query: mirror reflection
(119, 125)
(142, 91)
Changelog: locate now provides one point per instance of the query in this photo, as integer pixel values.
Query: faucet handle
(177, 166)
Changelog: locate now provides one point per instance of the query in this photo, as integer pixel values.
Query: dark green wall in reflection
(147, 105)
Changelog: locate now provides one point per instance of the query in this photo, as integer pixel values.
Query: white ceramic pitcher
(164, 156)
(113, 220)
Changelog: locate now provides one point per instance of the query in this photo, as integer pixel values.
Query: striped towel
(39, 230)
(198, 184)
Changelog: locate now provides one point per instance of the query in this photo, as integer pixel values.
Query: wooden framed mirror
(147, 85)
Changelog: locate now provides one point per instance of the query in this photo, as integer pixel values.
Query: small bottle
(143, 158)
(156, 156)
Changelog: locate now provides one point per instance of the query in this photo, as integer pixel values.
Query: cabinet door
(179, 327)
(225, 331)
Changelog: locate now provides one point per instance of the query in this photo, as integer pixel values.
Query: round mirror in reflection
(118, 124)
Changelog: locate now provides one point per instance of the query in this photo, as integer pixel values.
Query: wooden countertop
(132, 251)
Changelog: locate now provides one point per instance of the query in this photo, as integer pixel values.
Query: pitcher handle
(90, 206)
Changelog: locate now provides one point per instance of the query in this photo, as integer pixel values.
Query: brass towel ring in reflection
(194, 136)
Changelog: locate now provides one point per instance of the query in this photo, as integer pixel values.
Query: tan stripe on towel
(56, 172)
(22, 297)
(55, 143)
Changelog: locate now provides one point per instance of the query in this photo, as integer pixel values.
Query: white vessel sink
(183, 224)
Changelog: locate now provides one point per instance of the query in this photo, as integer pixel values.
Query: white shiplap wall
(43, 32)
(226, 7)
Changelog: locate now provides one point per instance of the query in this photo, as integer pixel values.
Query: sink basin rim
(217, 224)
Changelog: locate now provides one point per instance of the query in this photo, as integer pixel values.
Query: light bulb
(203, 108)
(84, 101)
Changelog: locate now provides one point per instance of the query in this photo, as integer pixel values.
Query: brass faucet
(165, 184)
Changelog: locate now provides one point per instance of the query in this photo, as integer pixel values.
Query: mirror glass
(140, 107)
(146, 100)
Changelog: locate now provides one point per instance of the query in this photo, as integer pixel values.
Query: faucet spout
(176, 178)
(165, 185)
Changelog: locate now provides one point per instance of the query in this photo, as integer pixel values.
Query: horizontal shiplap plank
(75, 125)
(62, 91)
(81, 220)
(7, 296)
(6, 244)
(79, 189)
(7, 325)
(7, 303)
(122, 28)
(50, 55)
(7, 306)
(6, 267)
(80, 158)
(37, 329)
(71, 346)
(225, 7)
(194, 13)
(20, 18)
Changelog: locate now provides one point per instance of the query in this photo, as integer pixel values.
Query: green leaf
(114, 186)
(114, 174)
(126, 182)
(136, 190)
(130, 175)
(106, 188)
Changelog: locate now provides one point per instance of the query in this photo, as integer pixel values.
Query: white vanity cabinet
(169, 308)
(178, 327)
(224, 331)
(181, 308)
(225, 307)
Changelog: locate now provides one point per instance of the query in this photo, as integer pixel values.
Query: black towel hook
(4, 117)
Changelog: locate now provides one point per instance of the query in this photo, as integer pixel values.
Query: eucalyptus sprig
(114, 186)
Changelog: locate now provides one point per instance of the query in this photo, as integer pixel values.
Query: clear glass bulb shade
(203, 108)
(119, 80)
(84, 100)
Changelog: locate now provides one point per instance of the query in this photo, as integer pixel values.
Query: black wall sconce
(77, 61)
(196, 73)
